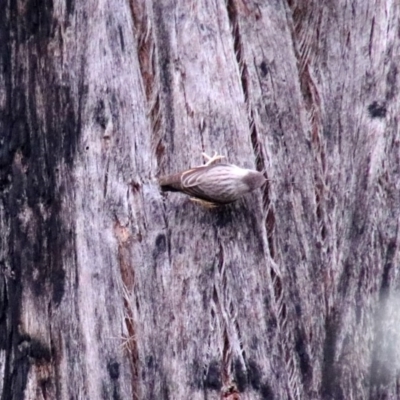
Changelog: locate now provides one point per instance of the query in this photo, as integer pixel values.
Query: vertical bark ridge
(234, 16)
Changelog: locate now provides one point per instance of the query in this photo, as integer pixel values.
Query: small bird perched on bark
(214, 184)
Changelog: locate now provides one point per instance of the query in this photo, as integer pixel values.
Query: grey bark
(110, 289)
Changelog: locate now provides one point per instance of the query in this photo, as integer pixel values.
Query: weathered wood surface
(111, 290)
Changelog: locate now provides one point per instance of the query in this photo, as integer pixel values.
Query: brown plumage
(214, 183)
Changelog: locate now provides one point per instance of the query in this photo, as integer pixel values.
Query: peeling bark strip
(109, 291)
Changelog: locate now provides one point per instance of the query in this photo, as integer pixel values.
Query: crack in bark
(270, 219)
(245, 84)
(224, 311)
(123, 237)
(146, 48)
(233, 16)
(302, 44)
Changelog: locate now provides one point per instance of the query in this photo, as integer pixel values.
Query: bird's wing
(192, 181)
(201, 181)
(194, 176)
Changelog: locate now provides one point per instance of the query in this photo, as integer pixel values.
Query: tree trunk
(111, 289)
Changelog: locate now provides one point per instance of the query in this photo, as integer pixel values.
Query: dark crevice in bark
(212, 377)
(123, 237)
(216, 371)
(226, 357)
(270, 225)
(244, 75)
(227, 349)
(155, 66)
(225, 308)
(305, 364)
(277, 284)
(105, 184)
(145, 46)
(371, 36)
(147, 56)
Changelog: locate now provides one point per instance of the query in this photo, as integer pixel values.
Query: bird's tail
(170, 183)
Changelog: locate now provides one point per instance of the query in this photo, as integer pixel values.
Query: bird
(214, 183)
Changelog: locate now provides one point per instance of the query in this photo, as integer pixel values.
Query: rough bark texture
(109, 289)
